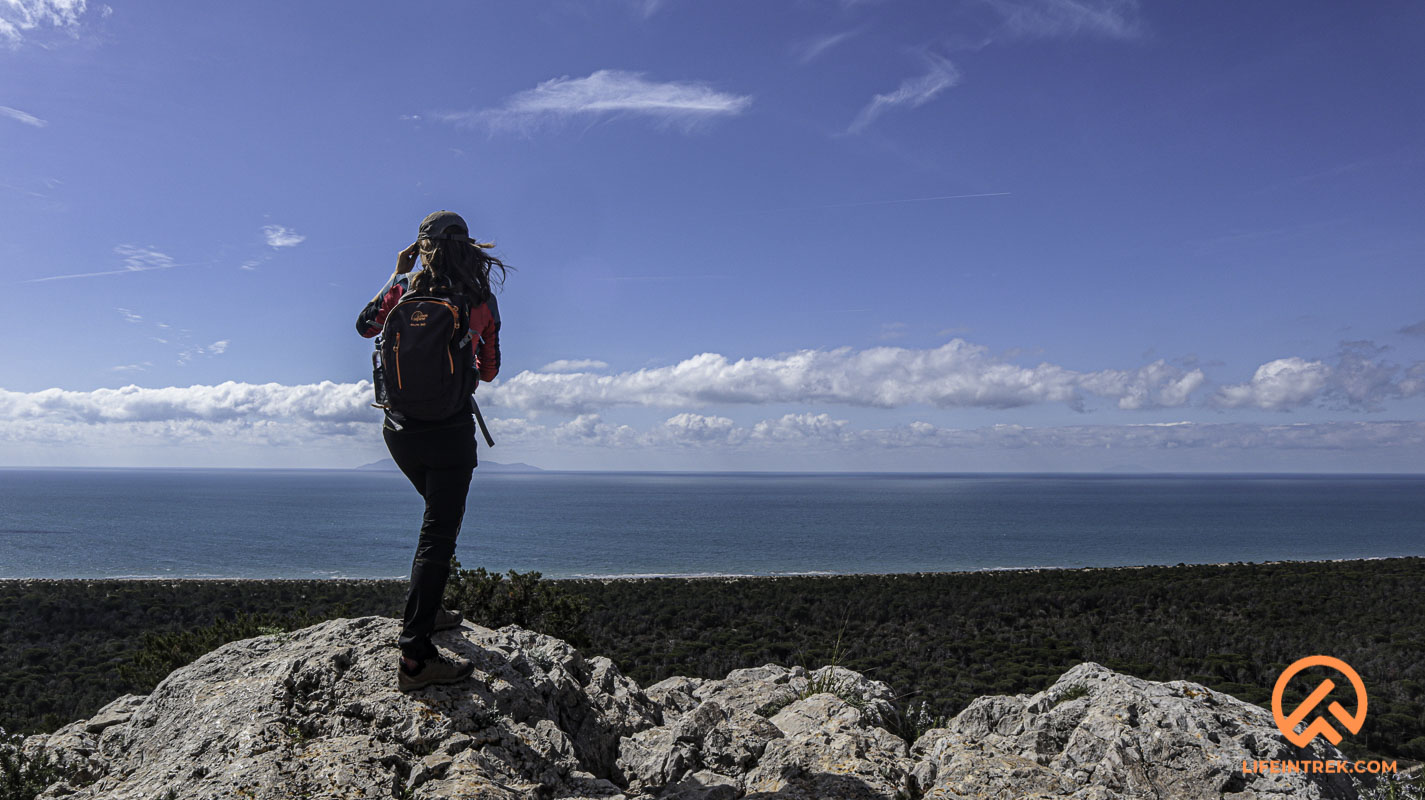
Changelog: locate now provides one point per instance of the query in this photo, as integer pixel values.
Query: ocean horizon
(89, 523)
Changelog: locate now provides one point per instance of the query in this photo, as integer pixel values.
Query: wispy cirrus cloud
(20, 116)
(574, 365)
(179, 342)
(19, 17)
(647, 8)
(134, 259)
(1054, 19)
(912, 93)
(281, 236)
(809, 51)
(893, 330)
(606, 93)
(203, 351)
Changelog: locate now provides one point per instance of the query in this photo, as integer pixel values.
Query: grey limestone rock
(832, 749)
(316, 714)
(820, 746)
(1099, 735)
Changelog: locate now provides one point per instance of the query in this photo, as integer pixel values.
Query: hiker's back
(426, 356)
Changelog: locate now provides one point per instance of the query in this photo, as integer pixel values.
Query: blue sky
(1018, 235)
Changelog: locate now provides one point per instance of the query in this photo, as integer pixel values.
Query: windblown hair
(465, 265)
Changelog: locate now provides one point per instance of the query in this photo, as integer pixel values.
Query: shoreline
(693, 578)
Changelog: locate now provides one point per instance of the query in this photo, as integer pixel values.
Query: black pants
(438, 463)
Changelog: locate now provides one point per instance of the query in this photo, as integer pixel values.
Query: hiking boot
(445, 619)
(436, 669)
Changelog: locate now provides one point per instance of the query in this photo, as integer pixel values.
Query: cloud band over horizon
(955, 375)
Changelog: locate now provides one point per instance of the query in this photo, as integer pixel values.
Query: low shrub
(517, 598)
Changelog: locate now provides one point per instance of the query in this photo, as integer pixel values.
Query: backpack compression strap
(485, 429)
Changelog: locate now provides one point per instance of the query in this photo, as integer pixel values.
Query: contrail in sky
(124, 271)
(884, 202)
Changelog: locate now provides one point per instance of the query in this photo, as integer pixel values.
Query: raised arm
(373, 316)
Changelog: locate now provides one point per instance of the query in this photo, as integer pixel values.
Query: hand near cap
(406, 259)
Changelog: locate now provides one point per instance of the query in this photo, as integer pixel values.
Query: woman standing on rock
(440, 336)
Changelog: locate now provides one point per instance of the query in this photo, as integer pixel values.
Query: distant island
(387, 465)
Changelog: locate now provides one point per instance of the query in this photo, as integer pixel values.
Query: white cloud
(19, 17)
(803, 429)
(688, 427)
(1156, 385)
(279, 236)
(587, 429)
(913, 92)
(1108, 19)
(957, 374)
(606, 93)
(574, 365)
(315, 402)
(18, 115)
(1360, 379)
(130, 316)
(1278, 385)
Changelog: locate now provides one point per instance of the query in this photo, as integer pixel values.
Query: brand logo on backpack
(425, 356)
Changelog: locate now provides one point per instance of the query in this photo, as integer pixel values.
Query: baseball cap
(444, 225)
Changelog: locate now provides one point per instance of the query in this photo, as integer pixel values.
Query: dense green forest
(68, 647)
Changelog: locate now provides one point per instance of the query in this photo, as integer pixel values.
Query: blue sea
(351, 524)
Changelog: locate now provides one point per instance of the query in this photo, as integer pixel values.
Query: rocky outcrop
(1096, 734)
(768, 732)
(316, 714)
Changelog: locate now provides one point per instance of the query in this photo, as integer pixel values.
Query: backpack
(424, 371)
